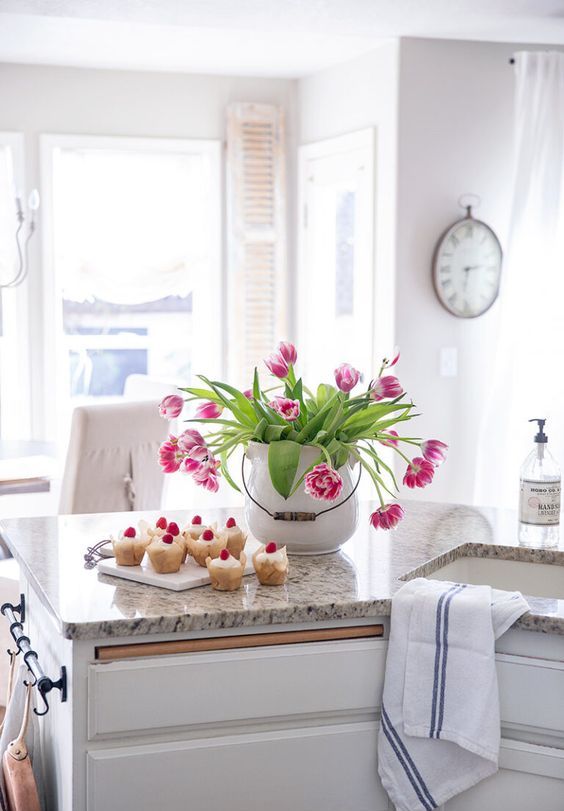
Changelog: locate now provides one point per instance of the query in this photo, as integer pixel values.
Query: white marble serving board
(189, 576)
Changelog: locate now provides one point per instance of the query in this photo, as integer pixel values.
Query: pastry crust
(236, 540)
(165, 558)
(194, 531)
(204, 549)
(228, 578)
(181, 542)
(271, 573)
(129, 551)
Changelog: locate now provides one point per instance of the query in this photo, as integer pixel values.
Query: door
(336, 267)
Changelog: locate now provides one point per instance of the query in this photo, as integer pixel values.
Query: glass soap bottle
(539, 498)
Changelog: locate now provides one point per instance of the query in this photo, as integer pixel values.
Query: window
(336, 266)
(134, 227)
(15, 418)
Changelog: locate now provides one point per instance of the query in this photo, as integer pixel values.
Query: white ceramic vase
(325, 534)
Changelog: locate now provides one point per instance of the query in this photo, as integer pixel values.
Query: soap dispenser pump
(539, 499)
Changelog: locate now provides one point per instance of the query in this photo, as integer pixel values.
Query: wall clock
(467, 267)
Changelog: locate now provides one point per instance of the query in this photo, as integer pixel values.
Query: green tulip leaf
(283, 460)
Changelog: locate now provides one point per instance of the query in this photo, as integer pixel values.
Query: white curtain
(529, 376)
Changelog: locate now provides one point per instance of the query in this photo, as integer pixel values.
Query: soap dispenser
(539, 500)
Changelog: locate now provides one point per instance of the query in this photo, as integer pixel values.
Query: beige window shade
(256, 293)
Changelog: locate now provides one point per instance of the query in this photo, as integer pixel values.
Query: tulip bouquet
(288, 415)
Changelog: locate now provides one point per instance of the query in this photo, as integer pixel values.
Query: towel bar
(43, 683)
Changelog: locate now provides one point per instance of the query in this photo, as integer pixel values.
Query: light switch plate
(449, 361)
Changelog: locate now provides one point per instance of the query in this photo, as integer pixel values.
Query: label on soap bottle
(540, 502)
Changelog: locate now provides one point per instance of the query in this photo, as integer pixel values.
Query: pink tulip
(208, 411)
(386, 388)
(323, 482)
(391, 443)
(289, 409)
(434, 451)
(192, 462)
(387, 517)
(346, 377)
(171, 406)
(206, 474)
(249, 394)
(419, 473)
(170, 456)
(189, 465)
(276, 364)
(393, 362)
(288, 352)
(190, 439)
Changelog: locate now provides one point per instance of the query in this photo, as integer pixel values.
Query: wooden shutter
(256, 290)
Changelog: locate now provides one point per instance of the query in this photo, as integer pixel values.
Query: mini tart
(271, 567)
(236, 539)
(129, 551)
(194, 531)
(178, 538)
(156, 530)
(165, 557)
(226, 575)
(200, 550)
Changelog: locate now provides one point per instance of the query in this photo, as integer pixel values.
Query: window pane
(132, 238)
(344, 253)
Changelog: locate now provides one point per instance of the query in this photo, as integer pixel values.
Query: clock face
(467, 268)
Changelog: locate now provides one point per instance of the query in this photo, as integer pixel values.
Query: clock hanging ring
(467, 267)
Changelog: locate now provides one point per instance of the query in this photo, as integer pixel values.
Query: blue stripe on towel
(437, 662)
(448, 601)
(438, 656)
(406, 760)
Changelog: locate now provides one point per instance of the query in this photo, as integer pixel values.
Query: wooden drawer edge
(106, 653)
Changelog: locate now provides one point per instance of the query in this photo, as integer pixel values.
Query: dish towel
(12, 724)
(440, 725)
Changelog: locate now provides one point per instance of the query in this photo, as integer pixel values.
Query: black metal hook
(46, 710)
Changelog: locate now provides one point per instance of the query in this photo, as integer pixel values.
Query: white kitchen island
(266, 696)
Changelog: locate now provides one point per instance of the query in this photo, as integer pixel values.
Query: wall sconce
(22, 239)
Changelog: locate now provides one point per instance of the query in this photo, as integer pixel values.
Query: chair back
(112, 458)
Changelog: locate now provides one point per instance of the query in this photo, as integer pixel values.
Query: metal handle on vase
(290, 515)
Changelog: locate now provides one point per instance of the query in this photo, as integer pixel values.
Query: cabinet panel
(513, 791)
(212, 688)
(529, 777)
(531, 691)
(325, 769)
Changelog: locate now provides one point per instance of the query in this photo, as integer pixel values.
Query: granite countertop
(356, 582)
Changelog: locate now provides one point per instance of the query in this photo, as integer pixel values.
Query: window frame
(54, 339)
(16, 398)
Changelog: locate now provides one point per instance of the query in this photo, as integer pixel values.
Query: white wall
(36, 99)
(352, 96)
(455, 136)
(444, 117)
